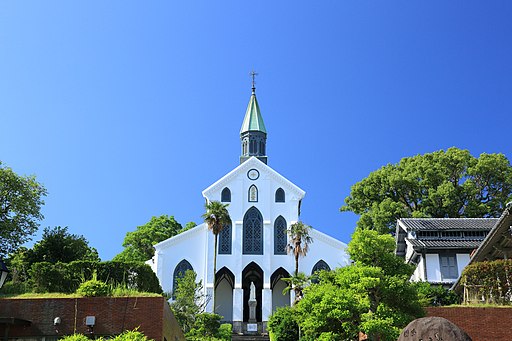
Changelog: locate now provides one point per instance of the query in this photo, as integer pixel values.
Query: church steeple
(253, 134)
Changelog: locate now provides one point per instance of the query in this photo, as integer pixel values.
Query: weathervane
(253, 75)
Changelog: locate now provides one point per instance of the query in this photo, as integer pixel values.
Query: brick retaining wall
(482, 324)
(113, 316)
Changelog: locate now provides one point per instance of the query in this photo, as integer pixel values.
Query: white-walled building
(440, 247)
(262, 206)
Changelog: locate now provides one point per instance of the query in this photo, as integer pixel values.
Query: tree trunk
(214, 270)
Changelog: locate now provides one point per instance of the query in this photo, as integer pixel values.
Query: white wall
(433, 268)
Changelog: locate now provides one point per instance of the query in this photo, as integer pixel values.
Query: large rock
(433, 329)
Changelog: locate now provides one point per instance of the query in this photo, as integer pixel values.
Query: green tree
(21, 198)
(138, 245)
(299, 241)
(216, 217)
(373, 295)
(188, 300)
(441, 184)
(298, 247)
(58, 245)
(282, 324)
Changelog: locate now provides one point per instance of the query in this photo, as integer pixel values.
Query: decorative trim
(181, 237)
(317, 235)
(253, 174)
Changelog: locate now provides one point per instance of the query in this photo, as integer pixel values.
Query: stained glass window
(280, 239)
(320, 265)
(225, 240)
(280, 195)
(179, 272)
(226, 195)
(253, 232)
(253, 194)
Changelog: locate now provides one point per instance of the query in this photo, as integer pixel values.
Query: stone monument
(433, 328)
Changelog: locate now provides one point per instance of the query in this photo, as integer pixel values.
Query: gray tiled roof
(416, 224)
(446, 243)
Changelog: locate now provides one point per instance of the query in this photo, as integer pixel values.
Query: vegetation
(188, 300)
(46, 277)
(298, 247)
(93, 288)
(188, 308)
(207, 326)
(449, 183)
(56, 245)
(138, 245)
(216, 217)
(282, 325)
(489, 282)
(21, 198)
(129, 335)
(373, 296)
(436, 295)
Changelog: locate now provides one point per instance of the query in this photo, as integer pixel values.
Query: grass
(115, 293)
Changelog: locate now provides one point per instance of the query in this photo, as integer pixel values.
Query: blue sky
(129, 109)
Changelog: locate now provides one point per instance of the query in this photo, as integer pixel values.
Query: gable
(263, 169)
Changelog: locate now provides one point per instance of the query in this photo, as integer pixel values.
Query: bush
(282, 324)
(76, 337)
(225, 331)
(66, 277)
(436, 295)
(93, 288)
(488, 281)
(207, 327)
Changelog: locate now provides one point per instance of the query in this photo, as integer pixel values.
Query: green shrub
(436, 295)
(283, 325)
(489, 281)
(207, 327)
(66, 277)
(77, 337)
(225, 331)
(130, 335)
(93, 288)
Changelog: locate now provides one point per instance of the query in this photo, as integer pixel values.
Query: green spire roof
(253, 120)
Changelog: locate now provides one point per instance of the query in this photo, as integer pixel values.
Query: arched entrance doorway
(252, 273)
(278, 285)
(224, 284)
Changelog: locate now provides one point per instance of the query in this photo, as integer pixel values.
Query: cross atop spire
(253, 75)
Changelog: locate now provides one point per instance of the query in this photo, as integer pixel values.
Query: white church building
(262, 206)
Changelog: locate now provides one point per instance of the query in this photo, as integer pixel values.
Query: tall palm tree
(216, 217)
(299, 242)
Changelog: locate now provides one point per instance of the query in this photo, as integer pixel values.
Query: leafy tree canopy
(21, 198)
(188, 300)
(139, 243)
(58, 245)
(441, 184)
(373, 295)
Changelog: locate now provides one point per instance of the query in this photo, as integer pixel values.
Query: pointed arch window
(253, 193)
(280, 197)
(179, 272)
(252, 243)
(225, 240)
(225, 195)
(280, 238)
(320, 265)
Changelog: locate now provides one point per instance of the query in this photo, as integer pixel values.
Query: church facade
(252, 251)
